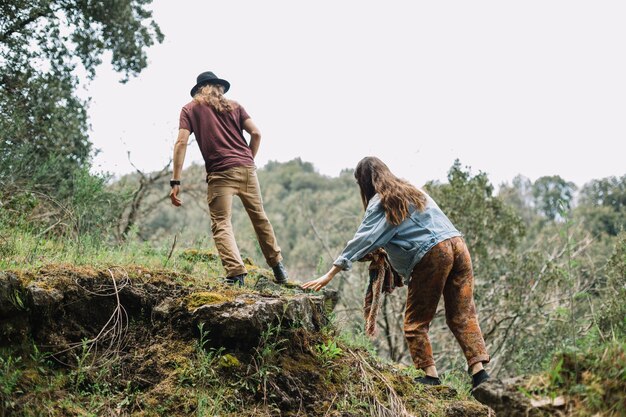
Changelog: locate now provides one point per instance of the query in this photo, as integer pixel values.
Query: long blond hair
(396, 194)
(213, 95)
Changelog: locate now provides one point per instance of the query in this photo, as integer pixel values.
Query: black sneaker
(280, 273)
(237, 279)
(428, 380)
(479, 377)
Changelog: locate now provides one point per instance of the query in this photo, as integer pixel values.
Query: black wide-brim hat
(209, 78)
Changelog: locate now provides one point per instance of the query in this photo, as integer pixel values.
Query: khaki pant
(447, 269)
(222, 186)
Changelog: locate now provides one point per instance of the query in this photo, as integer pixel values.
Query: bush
(52, 200)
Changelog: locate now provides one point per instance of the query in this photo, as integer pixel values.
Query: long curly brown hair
(396, 194)
(213, 95)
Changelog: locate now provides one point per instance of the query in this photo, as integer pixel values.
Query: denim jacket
(406, 244)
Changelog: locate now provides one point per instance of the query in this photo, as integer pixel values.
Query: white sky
(534, 87)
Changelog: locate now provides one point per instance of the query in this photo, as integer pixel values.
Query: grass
(27, 252)
(10, 374)
(593, 379)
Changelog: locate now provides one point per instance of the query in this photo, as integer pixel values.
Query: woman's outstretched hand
(317, 284)
(321, 282)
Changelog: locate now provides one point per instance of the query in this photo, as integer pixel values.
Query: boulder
(44, 297)
(240, 323)
(507, 398)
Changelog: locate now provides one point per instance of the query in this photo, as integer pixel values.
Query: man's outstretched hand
(174, 196)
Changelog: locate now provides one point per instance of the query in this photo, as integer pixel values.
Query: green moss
(202, 298)
(197, 255)
(228, 361)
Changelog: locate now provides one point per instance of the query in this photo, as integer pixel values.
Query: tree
(553, 195)
(42, 44)
(489, 225)
(43, 129)
(519, 196)
(61, 33)
(603, 205)
(607, 192)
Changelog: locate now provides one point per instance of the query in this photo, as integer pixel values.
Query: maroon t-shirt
(219, 135)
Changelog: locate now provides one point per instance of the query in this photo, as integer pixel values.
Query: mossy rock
(228, 361)
(198, 299)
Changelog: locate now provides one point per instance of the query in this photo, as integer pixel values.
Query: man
(218, 124)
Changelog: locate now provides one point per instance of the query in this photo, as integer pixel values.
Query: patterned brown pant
(447, 269)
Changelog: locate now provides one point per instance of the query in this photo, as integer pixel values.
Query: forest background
(549, 256)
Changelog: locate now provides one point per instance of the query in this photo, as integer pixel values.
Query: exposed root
(105, 347)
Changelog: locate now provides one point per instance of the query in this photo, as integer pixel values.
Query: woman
(429, 252)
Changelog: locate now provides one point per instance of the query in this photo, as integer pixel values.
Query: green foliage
(10, 374)
(600, 220)
(518, 195)
(313, 215)
(211, 368)
(607, 192)
(603, 205)
(551, 193)
(196, 382)
(489, 225)
(263, 366)
(595, 379)
(41, 44)
(44, 169)
(328, 352)
(357, 340)
(63, 32)
(17, 299)
(85, 389)
(26, 251)
(80, 375)
(79, 204)
(195, 255)
(204, 372)
(612, 316)
(459, 381)
(43, 128)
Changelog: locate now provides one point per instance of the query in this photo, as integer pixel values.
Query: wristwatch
(174, 182)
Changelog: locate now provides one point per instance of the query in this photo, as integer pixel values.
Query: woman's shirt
(406, 244)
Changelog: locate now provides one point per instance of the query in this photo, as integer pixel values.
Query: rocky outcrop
(150, 343)
(75, 306)
(239, 323)
(508, 398)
